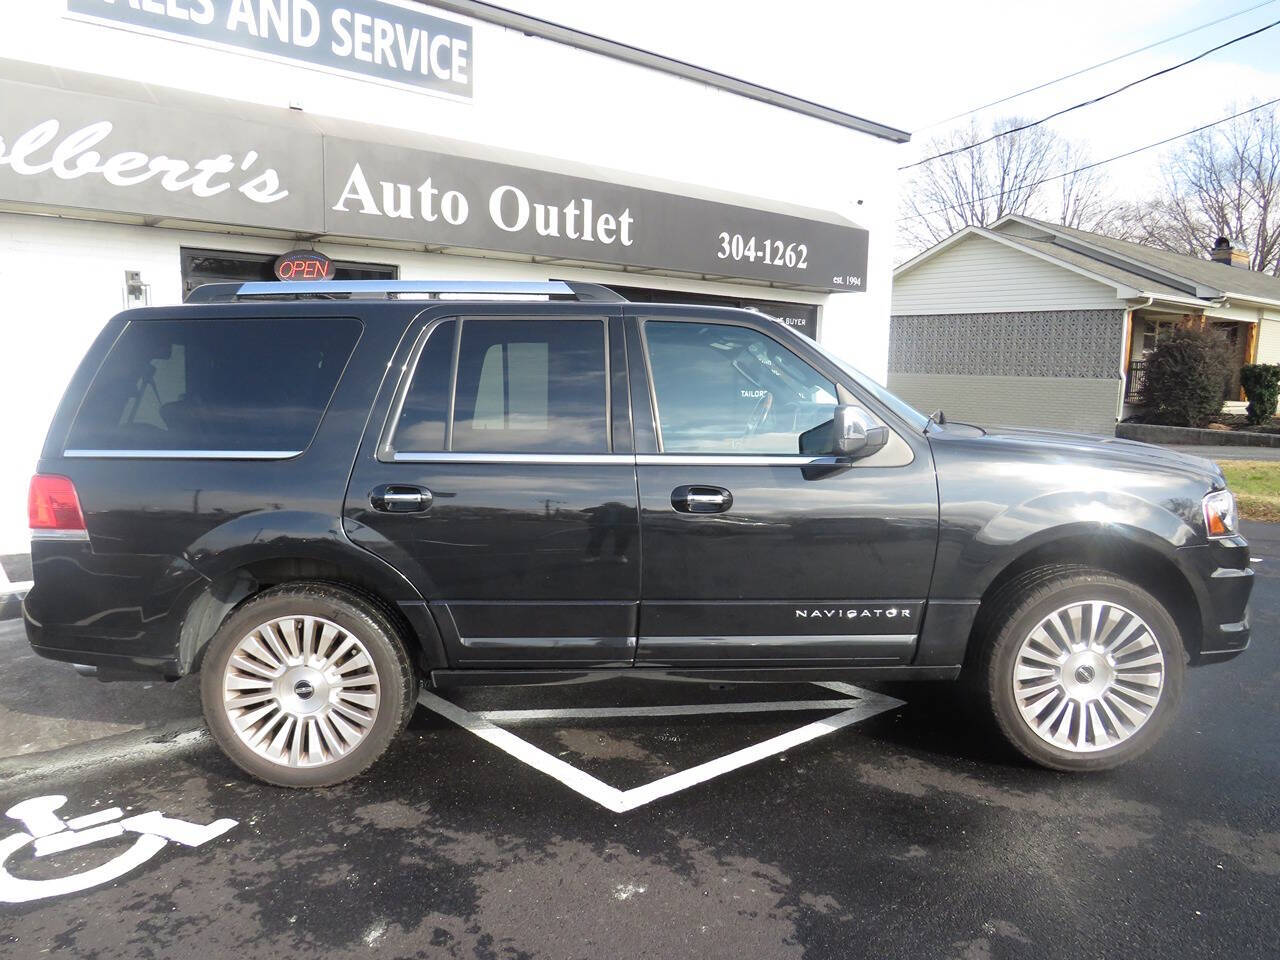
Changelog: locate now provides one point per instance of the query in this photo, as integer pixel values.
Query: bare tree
(1223, 182)
(1139, 222)
(1083, 197)
(978, 186)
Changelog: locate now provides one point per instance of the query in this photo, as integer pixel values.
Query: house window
(1152, 333)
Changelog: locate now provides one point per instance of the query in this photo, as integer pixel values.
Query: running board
(469, 678)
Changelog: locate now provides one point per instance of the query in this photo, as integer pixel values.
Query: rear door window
(424, 415)
(523, 386)
(215, 386)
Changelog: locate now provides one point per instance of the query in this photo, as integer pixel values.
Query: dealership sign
(70, 150)
(82, 151)
(386, 40)
(382, 191)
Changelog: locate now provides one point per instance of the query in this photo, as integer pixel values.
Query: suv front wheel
(1083, 669)
(306, 684)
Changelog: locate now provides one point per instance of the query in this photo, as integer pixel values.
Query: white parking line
(856, 705)
(675, 710)
(569, 775)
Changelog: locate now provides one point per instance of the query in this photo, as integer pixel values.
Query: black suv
(323, 494)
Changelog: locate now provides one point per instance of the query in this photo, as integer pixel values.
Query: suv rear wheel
(306, 684)
(1083, 669)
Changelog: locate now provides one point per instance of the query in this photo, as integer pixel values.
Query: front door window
(725, 389)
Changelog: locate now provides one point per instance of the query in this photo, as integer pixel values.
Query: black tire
(362, 619)
(1019, 608)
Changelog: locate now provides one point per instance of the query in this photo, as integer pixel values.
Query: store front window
(220, 266)
(800, 317)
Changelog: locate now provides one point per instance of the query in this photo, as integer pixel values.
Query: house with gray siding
(1030, 323)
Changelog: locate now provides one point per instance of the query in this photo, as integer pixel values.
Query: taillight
(52, 504)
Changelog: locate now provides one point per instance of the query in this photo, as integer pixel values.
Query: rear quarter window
(215, 386)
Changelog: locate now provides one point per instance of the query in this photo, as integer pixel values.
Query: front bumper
(1222, 579)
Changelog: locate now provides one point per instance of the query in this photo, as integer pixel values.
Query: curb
(172, 738)
(1153, 433)
(15, 581)
(11, 604)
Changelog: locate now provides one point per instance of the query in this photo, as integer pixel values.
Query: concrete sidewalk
(15, 581)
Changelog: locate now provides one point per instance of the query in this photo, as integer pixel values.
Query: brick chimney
(1224, 252)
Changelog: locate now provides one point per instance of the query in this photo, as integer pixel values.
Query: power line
(1087, 103)
(1098, 163)
(1104, 63)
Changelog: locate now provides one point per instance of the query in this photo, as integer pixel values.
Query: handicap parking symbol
(50, 834)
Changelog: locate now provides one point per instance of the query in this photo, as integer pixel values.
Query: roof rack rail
(391, 289)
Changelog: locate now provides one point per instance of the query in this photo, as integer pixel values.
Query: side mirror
(853, 438)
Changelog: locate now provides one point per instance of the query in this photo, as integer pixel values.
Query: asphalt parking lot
(853, 826)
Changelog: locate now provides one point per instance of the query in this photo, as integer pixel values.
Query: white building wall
(546, 98)
(1269, 341)
(979, 275)
(63, 278)
(1055, 403)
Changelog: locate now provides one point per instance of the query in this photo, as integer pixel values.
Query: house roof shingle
(1101, 268)
(1230, 281)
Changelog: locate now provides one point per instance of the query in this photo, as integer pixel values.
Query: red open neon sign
(304, 265)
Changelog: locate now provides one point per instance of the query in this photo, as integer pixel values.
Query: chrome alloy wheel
(1088, 676)
(300, 691)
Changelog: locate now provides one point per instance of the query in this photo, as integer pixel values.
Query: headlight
(1220, 514)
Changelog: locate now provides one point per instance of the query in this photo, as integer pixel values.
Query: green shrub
(1261, 382)
(1185, 377)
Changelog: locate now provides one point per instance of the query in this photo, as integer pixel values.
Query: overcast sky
(909, 63)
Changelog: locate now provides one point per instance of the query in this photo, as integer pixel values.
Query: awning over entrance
(168, 157)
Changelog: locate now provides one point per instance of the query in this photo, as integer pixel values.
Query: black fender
(237, 558)
(977, 557)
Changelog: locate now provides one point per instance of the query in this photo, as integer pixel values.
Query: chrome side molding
(181, 454)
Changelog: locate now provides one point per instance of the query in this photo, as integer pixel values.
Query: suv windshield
(895, 403)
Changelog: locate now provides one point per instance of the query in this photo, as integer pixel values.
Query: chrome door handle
(400, 498)
(705, 499)
(701, 499)
(403, 498)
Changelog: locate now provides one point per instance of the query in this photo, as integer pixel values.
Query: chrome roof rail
(391, 289)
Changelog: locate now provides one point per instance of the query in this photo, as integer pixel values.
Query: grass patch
(1256, 484)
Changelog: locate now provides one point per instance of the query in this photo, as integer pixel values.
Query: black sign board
(384, 191)
(201, 161)
(382, 40)
(800, 317)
